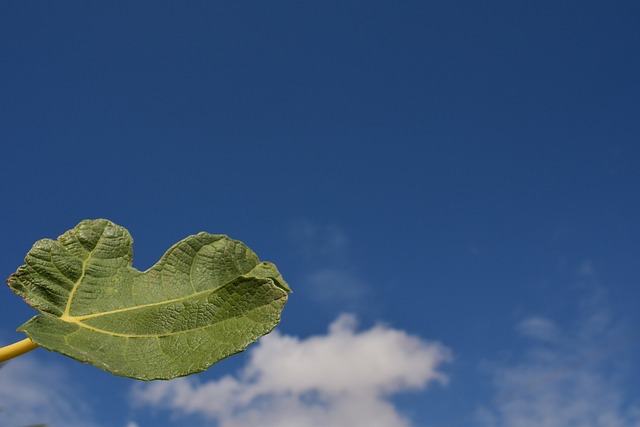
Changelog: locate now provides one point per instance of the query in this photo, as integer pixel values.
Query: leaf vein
(157, 336)
(76, 285)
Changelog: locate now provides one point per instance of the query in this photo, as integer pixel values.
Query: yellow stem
(16, 349)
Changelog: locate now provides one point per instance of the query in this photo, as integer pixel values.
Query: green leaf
(207, 298)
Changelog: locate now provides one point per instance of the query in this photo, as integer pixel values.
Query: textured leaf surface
(207, 298)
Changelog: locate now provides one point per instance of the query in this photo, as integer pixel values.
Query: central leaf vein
(137, 307)
(160, 335)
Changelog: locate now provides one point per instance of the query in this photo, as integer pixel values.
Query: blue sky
(449, 186)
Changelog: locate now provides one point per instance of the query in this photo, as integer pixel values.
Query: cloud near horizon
(32, 393)
(344, 378)
(568, 376)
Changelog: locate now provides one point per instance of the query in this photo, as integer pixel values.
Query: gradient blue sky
(461, 172)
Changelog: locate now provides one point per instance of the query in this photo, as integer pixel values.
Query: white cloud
(344, 378)
(31, 393)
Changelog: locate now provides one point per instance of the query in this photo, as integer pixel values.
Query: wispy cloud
(331, 273)
(343, 378)
(568, 376)
(331, 285)
(31, 393)
(327, 242)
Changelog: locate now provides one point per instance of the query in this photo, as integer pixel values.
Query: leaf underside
(207, 298)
